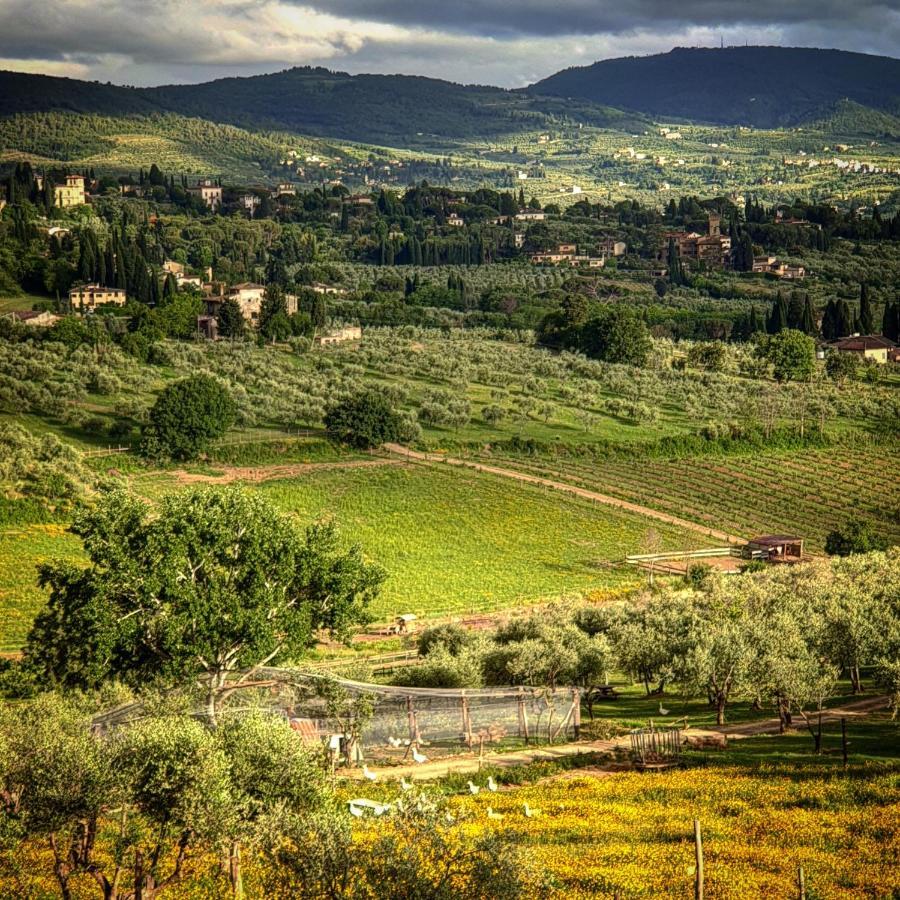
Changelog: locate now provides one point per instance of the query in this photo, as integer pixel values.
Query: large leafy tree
(616, 335)
(792, 354)
(187, 416)
(219, 581)
(366, 420)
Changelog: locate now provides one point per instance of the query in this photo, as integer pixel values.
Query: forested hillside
(397, 110)
(762, 86)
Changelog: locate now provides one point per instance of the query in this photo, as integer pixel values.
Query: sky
(503, 42)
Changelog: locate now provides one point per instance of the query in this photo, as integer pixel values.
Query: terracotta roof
(864, 342)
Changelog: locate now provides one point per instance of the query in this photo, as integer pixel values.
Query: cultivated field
(809, 492)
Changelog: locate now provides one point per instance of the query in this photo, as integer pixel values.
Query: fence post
(698, 875)
(844, 741)
(801, 883)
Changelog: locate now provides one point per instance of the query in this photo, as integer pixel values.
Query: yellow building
(90, 296)
(71, 193)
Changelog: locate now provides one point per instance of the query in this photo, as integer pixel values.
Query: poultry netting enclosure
(365, 720)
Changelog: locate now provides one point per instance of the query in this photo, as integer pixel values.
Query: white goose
(529, 812)
(663, 711)
(405, 785)
(368, 774)
(419, 757)
(494, 815)
(491, 785)
(473, 788)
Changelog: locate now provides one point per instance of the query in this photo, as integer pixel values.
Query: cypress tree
(890, 322)
(844, 322)
(170, 287)
(866, 320)
(808, 323)
(754, 325)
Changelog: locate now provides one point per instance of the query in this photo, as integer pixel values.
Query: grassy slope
(457, 542)
(451, 542)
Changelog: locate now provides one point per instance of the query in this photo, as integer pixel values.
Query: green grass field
(455, 542)
(21, 551)
(452, 541)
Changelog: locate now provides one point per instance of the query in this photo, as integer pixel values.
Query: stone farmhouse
(868, 346)
(712, 249)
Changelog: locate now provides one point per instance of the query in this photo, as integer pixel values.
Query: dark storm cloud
(483, 41)
(586, 17)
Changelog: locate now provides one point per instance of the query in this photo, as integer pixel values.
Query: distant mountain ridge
(767, 87)
(761, 86)
(386, 109)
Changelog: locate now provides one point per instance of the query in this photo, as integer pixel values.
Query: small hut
(775, 548)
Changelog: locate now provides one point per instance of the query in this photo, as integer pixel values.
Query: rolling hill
(767, 87)
(396, 110)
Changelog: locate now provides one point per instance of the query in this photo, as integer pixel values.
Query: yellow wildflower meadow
(631, 835)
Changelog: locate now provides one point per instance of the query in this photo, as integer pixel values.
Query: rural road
(228, 474)
(399, 450)
(470, 764)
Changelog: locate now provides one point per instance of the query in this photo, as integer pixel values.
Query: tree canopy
(217, 582)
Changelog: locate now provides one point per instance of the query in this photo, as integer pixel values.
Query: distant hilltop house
(319, 288)
(88, 297)
(455, 220)
(868, 346)
(173, 267)
(71, 193)
(249, 297)
(772, 265)
(208, 191)
(712, 248)
(339, 336)
(609, 247)
(33, 318)
(531, 215)
(567, 254)
(285, 189)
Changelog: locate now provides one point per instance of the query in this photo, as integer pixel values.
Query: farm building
(775, 548)
(868, 346)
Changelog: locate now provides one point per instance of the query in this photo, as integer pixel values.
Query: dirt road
(229, 474)
(408, 454)
(469, 764)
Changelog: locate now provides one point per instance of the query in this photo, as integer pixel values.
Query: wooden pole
(467, 722)
(698, 875)
(576, 710)
(801, 883)
(844, 741)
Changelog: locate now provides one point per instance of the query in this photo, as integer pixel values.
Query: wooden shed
(775, 548)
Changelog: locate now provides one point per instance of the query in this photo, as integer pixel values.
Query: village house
(88, 297)
(531, 215)
(771, 265)
(71, 193)
(34, 319)
(712, 249)
(249, 297)
(320, 288)
(339, 336)
(868, 346)
(519, 239)
(208, 191)
(173, 267)
(455, 220)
